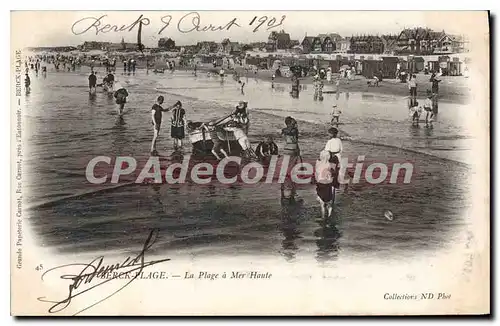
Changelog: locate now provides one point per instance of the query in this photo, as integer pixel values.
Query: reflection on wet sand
(289, 229)
(158, 207)
(92, 99)
(292, 231)
(327, 241)
(119, 137)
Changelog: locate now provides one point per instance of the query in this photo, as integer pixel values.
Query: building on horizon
(166, 43)
(368, 44)
(257, 45)
(344, 45)
(207, 47)
(278, 41)
(94, 45)
(390, 43)
(323, 43)
(424, 41)
(227, 47)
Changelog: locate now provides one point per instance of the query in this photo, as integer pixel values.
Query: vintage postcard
(250, 163)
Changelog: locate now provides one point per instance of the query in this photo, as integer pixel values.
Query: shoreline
(448, 92)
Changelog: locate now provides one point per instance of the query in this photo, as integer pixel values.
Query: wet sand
(453, 89)
(67, 128)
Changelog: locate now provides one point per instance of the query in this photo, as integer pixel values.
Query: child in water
(429, 114)
(212, 129)
(121, 95)
(415, 112)
(265, 149)
(291, 133)
(237, 129)
(325, 178)
(335, 115)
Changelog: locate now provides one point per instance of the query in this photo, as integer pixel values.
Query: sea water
(65, 127)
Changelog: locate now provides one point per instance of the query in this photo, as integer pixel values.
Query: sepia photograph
(250, 163)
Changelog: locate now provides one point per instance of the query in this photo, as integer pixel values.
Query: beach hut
(433, 63)
(419, 64)
(455, 67)
(415, 64)
(370, 68)
(444, 66)
(389, 66)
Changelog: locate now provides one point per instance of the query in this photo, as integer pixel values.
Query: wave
(69, 86)
(58, 200)
(366, 142)
(187, 88)
(183, 96)
(353, 139)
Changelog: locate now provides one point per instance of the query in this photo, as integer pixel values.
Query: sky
(59, 28)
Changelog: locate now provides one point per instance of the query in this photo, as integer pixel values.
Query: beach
(67, 128)
(453, 89)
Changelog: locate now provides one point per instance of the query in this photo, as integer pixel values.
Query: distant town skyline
(50, 28)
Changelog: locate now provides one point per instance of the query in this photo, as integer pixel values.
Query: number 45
(39, 267)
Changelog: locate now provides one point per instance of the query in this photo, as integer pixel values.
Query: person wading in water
(178, 122)
(121, 95)
(92, 82)
(334, 147)
(291, 134)
(156, 119)
(266, 149)
(213, 130)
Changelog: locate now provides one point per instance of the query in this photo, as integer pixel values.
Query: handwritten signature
(95, 274)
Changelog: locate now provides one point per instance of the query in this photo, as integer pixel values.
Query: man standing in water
(435, 85)
(295, 86)
(412, 86)
(92, 81)
(156, 119)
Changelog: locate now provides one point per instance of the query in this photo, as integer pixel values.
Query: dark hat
(333, 131)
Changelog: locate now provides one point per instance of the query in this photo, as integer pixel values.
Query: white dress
(334, 145)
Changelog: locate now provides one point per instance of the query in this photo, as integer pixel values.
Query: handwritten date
(272, 22)
(191, 22)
